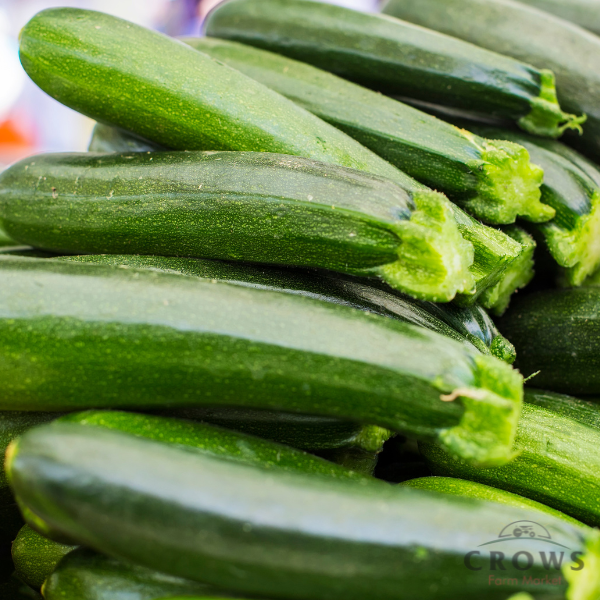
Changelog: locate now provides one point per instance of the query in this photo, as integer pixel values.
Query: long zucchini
(84, 574)
(471, 323)
(398, 58)
(111, 139)
(35, 557)
(160, 89)
(572, 187)
(558, 462)
(493, 181)
(137, 338)
(279, 534)
(556, 332)
(246, 206)
(470, 489)
(527, 34)
(585, 13)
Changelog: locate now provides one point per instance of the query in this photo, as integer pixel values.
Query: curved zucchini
(112, 139)
(107, 69)
(492, 180)
(585, 13)
(470, 489)
(246, 206)
(557, 332)
(558, 461)
(238, 528)
(530, 35)
(35, 557)
(143, 339)
(395, 57)
(84, 574)
(471, 323)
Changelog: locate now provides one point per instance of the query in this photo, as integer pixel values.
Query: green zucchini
(111, 139)
(470, 489)
(397, 58)
(144, 339)
(35, 557)
(517, 276)
(585, 13)
(246, 206)
(557, 332)
(493, 181)
(107, 69)
(278, 535)
(527, 34)
(558, 462)
(471, 323)
(86, 575)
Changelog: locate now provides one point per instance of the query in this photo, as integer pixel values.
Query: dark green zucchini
(557, 332)
(558, 462)
(471, 323)
(160, 89)
(493, 181)
(395, 57)
(527, 34)
(35, 557)
(246, 206)
(470, 489)
(278, 535)
(112, 139)
(144, 339)
(585, 13)
(86, 575)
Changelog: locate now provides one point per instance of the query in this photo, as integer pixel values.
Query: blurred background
(31, 121)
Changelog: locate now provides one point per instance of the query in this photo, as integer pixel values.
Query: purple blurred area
(31, 121)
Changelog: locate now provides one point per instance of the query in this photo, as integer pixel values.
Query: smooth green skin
(585, 13)
(210, 440)
(264, 534)
(245, 206)
(571, 187)
(558, 441)
(165, 92)
(84, 574)
(527, 34)
(144, 339)
(110, 139)
(557, 332)
(494, 181)
(471, 323)
(12, 425)
(470, 489)
(396, 58)
(35, 557)
(497, 298)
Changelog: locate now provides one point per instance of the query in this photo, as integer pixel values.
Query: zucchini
(556, 332)
(517, 276)
(471, 323)
(144, 339)
(395, 57)
(35, 557)
(5, 241)
(111, 139)
(527, 34)
(107, 68)
(558, 462)
(572, 187)
(492, 180)
(245, 206)
(585, 13)
(86, 575)
(279, 535)
(470, 489)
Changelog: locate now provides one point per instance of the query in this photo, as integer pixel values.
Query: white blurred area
(31, 121)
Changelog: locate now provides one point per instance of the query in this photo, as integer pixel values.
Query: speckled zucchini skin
(143, 339)
(264, 535)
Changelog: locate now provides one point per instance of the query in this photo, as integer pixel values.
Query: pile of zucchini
(260, 340)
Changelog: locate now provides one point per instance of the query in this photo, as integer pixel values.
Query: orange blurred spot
(11, 136)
